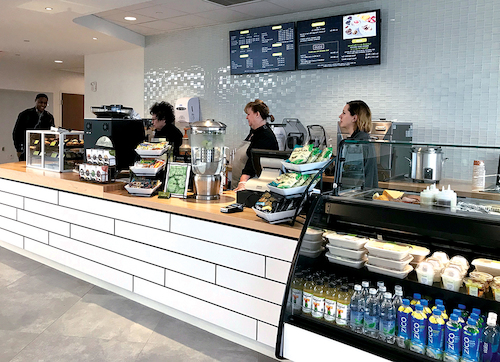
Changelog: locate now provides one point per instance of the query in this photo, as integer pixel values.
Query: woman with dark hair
(163, 123)
(356, 121)
(261, 136)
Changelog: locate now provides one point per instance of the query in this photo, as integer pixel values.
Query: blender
(207, 156)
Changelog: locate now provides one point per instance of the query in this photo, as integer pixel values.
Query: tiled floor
(47, 315)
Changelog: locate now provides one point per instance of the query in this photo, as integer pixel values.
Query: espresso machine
(207, 157)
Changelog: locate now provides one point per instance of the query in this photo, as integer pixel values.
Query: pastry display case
(55, 151)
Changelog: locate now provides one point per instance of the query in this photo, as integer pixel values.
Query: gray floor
(47, 315)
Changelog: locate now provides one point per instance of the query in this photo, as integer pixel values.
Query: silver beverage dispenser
(207, 156)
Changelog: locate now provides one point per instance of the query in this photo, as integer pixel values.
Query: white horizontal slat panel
(30, 191)
(43, 222)
(198, 308)
(241, 303)
(89, 267)
(177, 262)
(267, 334)
(124, 263)
(218, 254)
(116, 210)
(11, 238)
(8, 211)
(251, 285)
(24, 230)
(277, 270)
(92, 221)
(260, 243)
(11, 200)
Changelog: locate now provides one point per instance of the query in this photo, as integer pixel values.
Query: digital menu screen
(339, 41)
(263, 49)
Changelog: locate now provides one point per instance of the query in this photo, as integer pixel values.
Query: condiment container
(478, 176)
(426, 197)
(447, 198)
(425, 273)
(452, 279)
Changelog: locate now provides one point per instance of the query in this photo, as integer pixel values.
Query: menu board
(339, 41)
(264, 49)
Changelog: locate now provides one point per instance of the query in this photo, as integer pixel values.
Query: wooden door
(72, 111)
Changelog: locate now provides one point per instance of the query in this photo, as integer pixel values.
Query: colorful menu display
(263, 49)
(339, 41)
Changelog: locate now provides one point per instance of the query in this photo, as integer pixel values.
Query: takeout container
(488, 266)
(357, 264)
(425, 273)
(313, 234)
(387, 250)
(345, 241)
(418, 252)
(452, 279)
(401, 274)
(311, 254)
(398, 265)
(437, 265)
(347, 253)
(477, 283)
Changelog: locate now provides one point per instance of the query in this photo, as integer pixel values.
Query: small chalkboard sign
(177, 179)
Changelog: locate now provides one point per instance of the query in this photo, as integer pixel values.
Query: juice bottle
(297, 287)
(452, 339)
(307, 294)
(351, 289)
(418, 330)
(404, 324)
(470, 341)
(318, 299)
(463, 309)
(415, 300)
(357, 310)
(343, 302)
(331, 302)
(443, 312)
(460, 319)
(427, 310)
(436, 303)
(435, 335)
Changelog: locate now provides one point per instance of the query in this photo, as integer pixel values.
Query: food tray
(151, 153)
(487, 266)
(313, 234)
(146, 171)
(352, 242)
(311, 254)
(387, 250)
(287, 192)
(418, 252)
(304, 167)
(347, 253)
(275, 216)
(311, 245)
(141, 192)
(399, 265)
(393, 273)
(357, 264)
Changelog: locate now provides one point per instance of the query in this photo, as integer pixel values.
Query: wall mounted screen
(339, 41)
(263, 49)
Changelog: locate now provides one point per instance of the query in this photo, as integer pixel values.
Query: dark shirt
(173, 136)
(28, 120)
(370, 160)
(260, 138)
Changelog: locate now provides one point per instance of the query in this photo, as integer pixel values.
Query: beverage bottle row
(409, 324)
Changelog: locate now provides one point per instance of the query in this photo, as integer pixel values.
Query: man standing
(31, 118)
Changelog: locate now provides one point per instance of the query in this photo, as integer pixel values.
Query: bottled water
(372, 315)
(435, 335)
(357, 310)
(452, 339)
(404, 324)
(387, 320)
(380, 294)
(491, 339)
(418, 330)
(470, 341)
(397, 300)
(366, 289)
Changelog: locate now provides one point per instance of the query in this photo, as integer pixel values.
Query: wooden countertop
(207, 210)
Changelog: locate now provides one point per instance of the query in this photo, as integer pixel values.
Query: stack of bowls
(389, 258)
(347, 250)
(312, 243)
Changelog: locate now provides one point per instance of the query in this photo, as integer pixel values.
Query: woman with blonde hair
(261, 137)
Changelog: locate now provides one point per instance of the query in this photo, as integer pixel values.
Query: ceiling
(31, 34)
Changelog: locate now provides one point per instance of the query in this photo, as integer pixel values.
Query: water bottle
(435, 335)
(387, 329)
(418, 330)
(470, 341)
(491, 339)
(452, 339)
(372, 315)
(380, 294)
(397, 300)
(357, 310)
(366, 289)
(404, 324)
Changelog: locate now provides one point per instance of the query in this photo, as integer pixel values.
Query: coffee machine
(207, 156)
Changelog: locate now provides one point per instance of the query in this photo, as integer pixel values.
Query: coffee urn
(207, 156)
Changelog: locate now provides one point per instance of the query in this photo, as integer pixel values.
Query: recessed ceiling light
(94, 38)
(26, 41)
(58, 61)
(48, 8)
(130, 18)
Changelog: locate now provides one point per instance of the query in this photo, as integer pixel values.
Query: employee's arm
(19, 134)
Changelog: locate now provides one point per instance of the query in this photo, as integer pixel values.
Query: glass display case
(387, 233)
(55, 151)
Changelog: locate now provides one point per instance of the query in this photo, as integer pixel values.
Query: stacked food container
(312, 243)
(389, 258)
(347, 250)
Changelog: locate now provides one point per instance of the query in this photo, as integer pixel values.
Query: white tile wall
(266, 333)
(198, 308)
(277, 270)
(29, 191)
(10, 199)
(8, 211)
(11, 238)
(233, 258)
(24, 229)
(43, 222)
(440, 70)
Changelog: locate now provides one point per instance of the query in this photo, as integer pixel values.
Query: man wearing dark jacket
(31, 118)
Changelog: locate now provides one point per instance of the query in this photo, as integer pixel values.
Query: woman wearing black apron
(261, 137)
